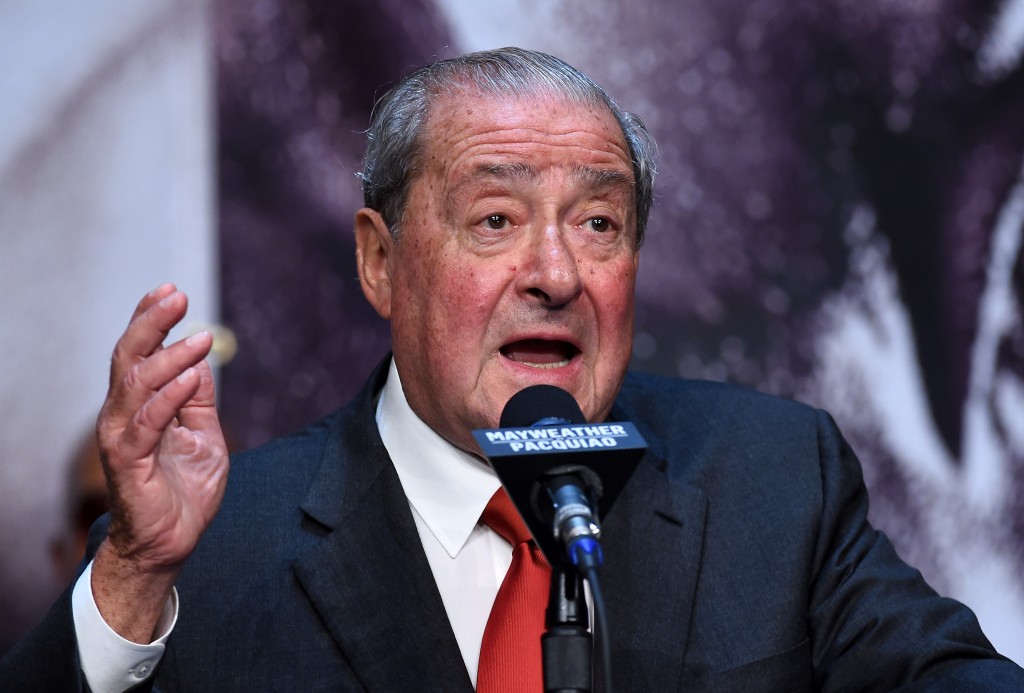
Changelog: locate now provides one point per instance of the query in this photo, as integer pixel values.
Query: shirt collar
(446, 486)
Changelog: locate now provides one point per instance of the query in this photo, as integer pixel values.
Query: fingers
(149, 384)
(154, 371)
(200, 413)
(143, 432)
(152, 297)
(159, 311)
(205, 395)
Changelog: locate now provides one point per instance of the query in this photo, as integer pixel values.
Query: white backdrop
(105, 192)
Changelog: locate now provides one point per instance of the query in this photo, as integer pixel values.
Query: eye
(600, 224)
(496, 222)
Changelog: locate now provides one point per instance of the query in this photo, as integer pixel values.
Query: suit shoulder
(311, 436)
(653, 396)
(282, 465)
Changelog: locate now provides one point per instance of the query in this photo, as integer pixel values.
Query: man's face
(516, 263)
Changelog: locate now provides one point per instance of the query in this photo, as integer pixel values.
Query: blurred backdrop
(838, 219)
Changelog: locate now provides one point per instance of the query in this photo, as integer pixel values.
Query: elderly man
(506, 198)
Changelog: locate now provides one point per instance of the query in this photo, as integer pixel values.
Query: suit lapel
(370, 582)
(653, 538)
(369, 579)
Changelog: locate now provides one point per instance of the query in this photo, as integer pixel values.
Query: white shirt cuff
(110, 663)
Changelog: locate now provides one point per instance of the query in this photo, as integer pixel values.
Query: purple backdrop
(836, 220)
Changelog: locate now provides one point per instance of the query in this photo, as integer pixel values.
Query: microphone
(574, 524)
(561, 473)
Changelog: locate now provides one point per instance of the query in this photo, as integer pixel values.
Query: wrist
(130, 596)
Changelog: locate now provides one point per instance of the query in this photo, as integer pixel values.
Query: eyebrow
(513, 171)
(590, 177)
(587, 175)
(499, 173)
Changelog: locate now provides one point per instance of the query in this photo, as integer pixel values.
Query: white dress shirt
(447, 491)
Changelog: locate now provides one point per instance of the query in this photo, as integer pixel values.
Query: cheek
(457, 298)
(477, 283)
(614, 293)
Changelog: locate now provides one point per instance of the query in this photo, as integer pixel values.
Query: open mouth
(540, 353)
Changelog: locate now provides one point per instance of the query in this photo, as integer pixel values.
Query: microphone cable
(601, 627)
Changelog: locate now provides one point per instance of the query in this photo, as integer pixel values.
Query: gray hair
(394, 138)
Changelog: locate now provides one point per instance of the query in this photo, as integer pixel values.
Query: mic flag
(544, 437)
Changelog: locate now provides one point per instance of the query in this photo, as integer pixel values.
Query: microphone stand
(562, 474)
(566, 644)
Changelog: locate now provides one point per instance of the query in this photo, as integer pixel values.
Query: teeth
(559, 364)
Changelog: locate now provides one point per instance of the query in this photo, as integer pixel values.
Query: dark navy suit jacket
(738, 558)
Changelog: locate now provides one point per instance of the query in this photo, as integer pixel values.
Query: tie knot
(501, 516)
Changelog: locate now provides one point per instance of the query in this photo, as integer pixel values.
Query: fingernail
(186, 375)
(166, 300)
(197, 338)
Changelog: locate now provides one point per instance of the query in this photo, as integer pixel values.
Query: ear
(373, 259)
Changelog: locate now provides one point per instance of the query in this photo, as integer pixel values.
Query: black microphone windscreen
(538, 402)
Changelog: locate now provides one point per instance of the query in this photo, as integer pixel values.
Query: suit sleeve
(871, 615)
(47, 659)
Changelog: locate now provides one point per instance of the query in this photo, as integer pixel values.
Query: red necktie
(510, 653)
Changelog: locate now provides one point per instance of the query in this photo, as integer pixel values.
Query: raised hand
(165, 460)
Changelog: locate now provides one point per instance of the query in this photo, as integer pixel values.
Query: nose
(554, 277)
